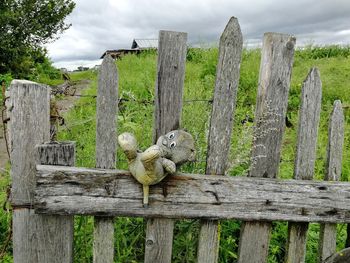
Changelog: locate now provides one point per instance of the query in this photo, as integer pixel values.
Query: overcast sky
(98, 25)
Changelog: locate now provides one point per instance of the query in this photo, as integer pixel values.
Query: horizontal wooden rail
(70, 190)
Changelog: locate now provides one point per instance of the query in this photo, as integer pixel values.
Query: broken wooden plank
(71, 190)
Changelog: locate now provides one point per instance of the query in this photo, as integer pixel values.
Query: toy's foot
(127, 141)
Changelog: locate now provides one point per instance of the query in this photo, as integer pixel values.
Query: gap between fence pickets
(71, 190)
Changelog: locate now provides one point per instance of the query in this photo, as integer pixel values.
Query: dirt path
(63, 106)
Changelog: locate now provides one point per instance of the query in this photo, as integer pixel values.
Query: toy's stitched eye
(171, 136)
(172, 145)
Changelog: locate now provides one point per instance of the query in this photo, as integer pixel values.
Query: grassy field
(136, 84)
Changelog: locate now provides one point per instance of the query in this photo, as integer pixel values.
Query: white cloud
(112, 24)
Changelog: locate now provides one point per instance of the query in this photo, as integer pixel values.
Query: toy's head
(177, 146)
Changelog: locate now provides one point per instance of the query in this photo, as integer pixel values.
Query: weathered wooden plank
(56, 153)
(30, 125)
(328, 232)
(309, 117)
(271, 106)
(167, 116)
(69, 190)
(227, 77)
(158, 238)
(170, 82)
(54, 236)
(106, 112)
(339, 257)
(41, 238)
(208, 243)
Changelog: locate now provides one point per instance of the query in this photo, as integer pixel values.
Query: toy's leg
(145, 195)
(128, 143)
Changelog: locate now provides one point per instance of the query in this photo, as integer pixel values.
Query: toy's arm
(128, 143)
(149, 157)
(169, 166)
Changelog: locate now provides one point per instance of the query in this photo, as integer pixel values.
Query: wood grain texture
(224, 102)
(271, 106)
(41, 238)
(328, 232)
(226, 85)
(71, 190)
(335, 143)
(208, 243)
(328, 241)
(103, 239)
(56, 153)
(309, 117)
(30, 125)
(159, 235)
(106, 112)
(170, 82)
(262, 234)
(106, 136)
(172, 50)
(54, 234)
(339, 257)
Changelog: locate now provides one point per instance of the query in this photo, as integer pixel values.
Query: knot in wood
(149, 242)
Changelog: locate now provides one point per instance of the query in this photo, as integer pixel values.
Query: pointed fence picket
(62, 192)
(309, 117)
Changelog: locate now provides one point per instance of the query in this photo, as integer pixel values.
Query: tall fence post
(227, 77)
(167, 116)
(309, 118)
(56, 234)
(106, 139)
(30, 125)
(328, 232)
(271, 106)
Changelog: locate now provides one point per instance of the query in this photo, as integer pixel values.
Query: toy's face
(177, 146)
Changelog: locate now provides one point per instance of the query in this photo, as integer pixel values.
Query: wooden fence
(47, 196)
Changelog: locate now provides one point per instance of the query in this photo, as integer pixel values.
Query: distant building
(96, 67)
(118, 53)
(81, 68)
(63, 70)
(144, 44)
(137, 46)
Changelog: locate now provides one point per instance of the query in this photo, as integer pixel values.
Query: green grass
(136, 86)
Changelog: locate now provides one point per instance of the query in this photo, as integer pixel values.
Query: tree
(25, 26)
